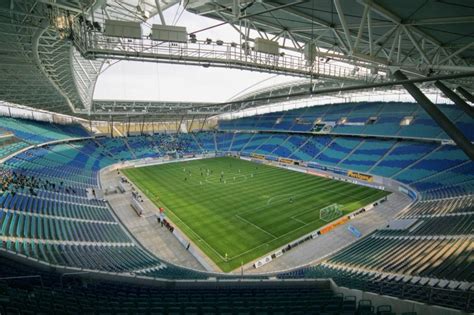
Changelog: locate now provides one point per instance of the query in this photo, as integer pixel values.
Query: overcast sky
(128, 80)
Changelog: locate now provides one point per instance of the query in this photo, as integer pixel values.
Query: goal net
(330, 212)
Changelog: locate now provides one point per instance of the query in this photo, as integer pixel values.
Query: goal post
(331, 212)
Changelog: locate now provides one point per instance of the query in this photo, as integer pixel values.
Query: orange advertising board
(333, 225)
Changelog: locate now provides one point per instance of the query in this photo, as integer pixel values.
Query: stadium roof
(42, 68)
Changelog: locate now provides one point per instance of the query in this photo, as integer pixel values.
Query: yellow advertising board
(361, 176)
(286, 161)
(258, 156)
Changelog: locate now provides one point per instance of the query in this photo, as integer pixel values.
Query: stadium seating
(440, 208)
(224, 141)
(142, 147)
(337, 150)
(256, 141)
(33, 131)
(10, 145)
(375, 118)
(401, 156)
(410, 255)
(389, 284)
(206, 141)
(240, 140)
(186, 144)
(271, 144)
(367, 154)
(117, 147)
(17, 134)
(311, 148)
(444, 158)
(44, 292)
(292, 143)
(45, 212)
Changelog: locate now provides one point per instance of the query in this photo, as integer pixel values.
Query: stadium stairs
(46, 216)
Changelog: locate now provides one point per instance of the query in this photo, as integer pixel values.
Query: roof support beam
(361, 27)
(283, 6)
(381, 10)
(341, 41)
(160, 12)
(395, 40)
(397, 20)
(457, 52)
(455, 98)
(465, 93)
(303, 16)
(415, 43)
(342, 18)
(393, 17)
(369, 28)
(295, 42)
(382, 40)
(453, 132)
(444, 20)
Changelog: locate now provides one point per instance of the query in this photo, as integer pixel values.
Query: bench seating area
(46, 292)
(364, 118)
(408, 254)
(33, 131)
(437, 292)
(56, 222)
(10, 144)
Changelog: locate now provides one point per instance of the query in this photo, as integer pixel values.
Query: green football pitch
(237, 211)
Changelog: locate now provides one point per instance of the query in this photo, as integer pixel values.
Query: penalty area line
(264, 231)
(298, 220)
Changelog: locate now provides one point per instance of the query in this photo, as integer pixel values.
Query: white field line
(297, 220)
(292, 231)
(311, 192)
(198, 237)
(246, 221)
(363, 192)
(238, 215)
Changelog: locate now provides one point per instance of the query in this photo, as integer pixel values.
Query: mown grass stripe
(264, 208)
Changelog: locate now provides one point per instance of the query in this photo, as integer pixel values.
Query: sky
(129, 80)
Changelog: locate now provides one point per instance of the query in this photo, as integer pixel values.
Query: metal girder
(352, 87)
(370, 36)
(416, 52)
(342, 18)
(437, 115)
(457, 52)
(408, 27)
(455, 98)
(54, 75)
(160, 12)
(468, 96)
